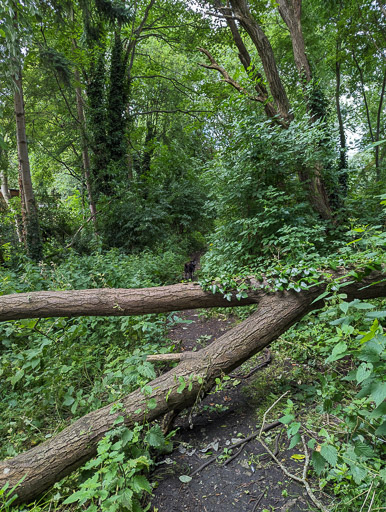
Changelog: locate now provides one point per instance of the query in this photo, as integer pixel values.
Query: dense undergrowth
(54, 371)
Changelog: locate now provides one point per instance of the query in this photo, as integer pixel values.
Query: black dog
(190, 267)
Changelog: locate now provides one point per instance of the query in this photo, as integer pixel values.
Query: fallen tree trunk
(52, 460)
(115, 301)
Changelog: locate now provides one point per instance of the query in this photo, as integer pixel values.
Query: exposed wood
(45, 464)
(29, 207)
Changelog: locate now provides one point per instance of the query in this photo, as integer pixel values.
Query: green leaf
(126, 498)
(146, 369)
(294, 428)
(155, 437)
(379, 411)
(140, 483)
(364, 371)
(185, 479)
(127, 436)
(68, 400)
(287, 419)
(18, 376)
(376, 314)
(363, 449)
(318, 462)
(382, 474)
(378, 392)
(381, 430)
(358, 473)
(320, 297)
(363, 305)
(294, 441)
(330, 453)
(76, 496)
(338, 352)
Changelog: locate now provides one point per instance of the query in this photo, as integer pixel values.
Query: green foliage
(347, 452)
(117, 481)
(54, 371)
(262, 209)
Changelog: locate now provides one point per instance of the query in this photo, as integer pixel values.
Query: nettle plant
(117, 480)
(348, 451)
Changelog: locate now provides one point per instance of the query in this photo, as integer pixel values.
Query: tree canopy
(248, 136)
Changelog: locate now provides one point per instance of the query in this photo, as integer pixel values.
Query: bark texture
(29, 208)
(291, 12)
(56, 458)
(114, 302)
(264, 48)
(279, 109)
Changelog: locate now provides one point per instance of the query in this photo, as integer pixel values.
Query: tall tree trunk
(7, 198)
(311, 179)
(291, 11)
(342, 135)
(84, 146)
(362, 81)
(378, 161)
(29, 207)
(265, 51)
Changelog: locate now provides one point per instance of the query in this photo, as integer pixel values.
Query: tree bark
(45, 464)
(83, 143)
(265, 51)
(291, 11)
(29, 208)
(342, 135)
(114, 302)
(378, 161)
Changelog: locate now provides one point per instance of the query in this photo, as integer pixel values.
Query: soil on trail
(250, 482)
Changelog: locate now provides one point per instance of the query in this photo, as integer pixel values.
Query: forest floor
(251, 482)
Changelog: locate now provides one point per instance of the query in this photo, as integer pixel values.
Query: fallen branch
(302, 480)
(161, 299)
(235, 445)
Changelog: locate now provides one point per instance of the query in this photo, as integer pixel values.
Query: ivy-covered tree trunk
(290, 10)
(98, 127)
(29, 208)
(116, 106)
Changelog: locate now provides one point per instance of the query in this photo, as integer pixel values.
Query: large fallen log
(52, 460)
(115, 301)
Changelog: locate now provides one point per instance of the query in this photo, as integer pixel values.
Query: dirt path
(251, 482)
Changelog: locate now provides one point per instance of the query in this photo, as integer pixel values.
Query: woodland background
(137, 134)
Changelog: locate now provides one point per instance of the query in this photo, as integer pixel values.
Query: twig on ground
(267, 411)
(302, 480)
(371, 502)
(258, 502)
(236, 454)
(270, 426)
(367, 495)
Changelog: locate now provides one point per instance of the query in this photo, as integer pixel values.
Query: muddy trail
(251, 481)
